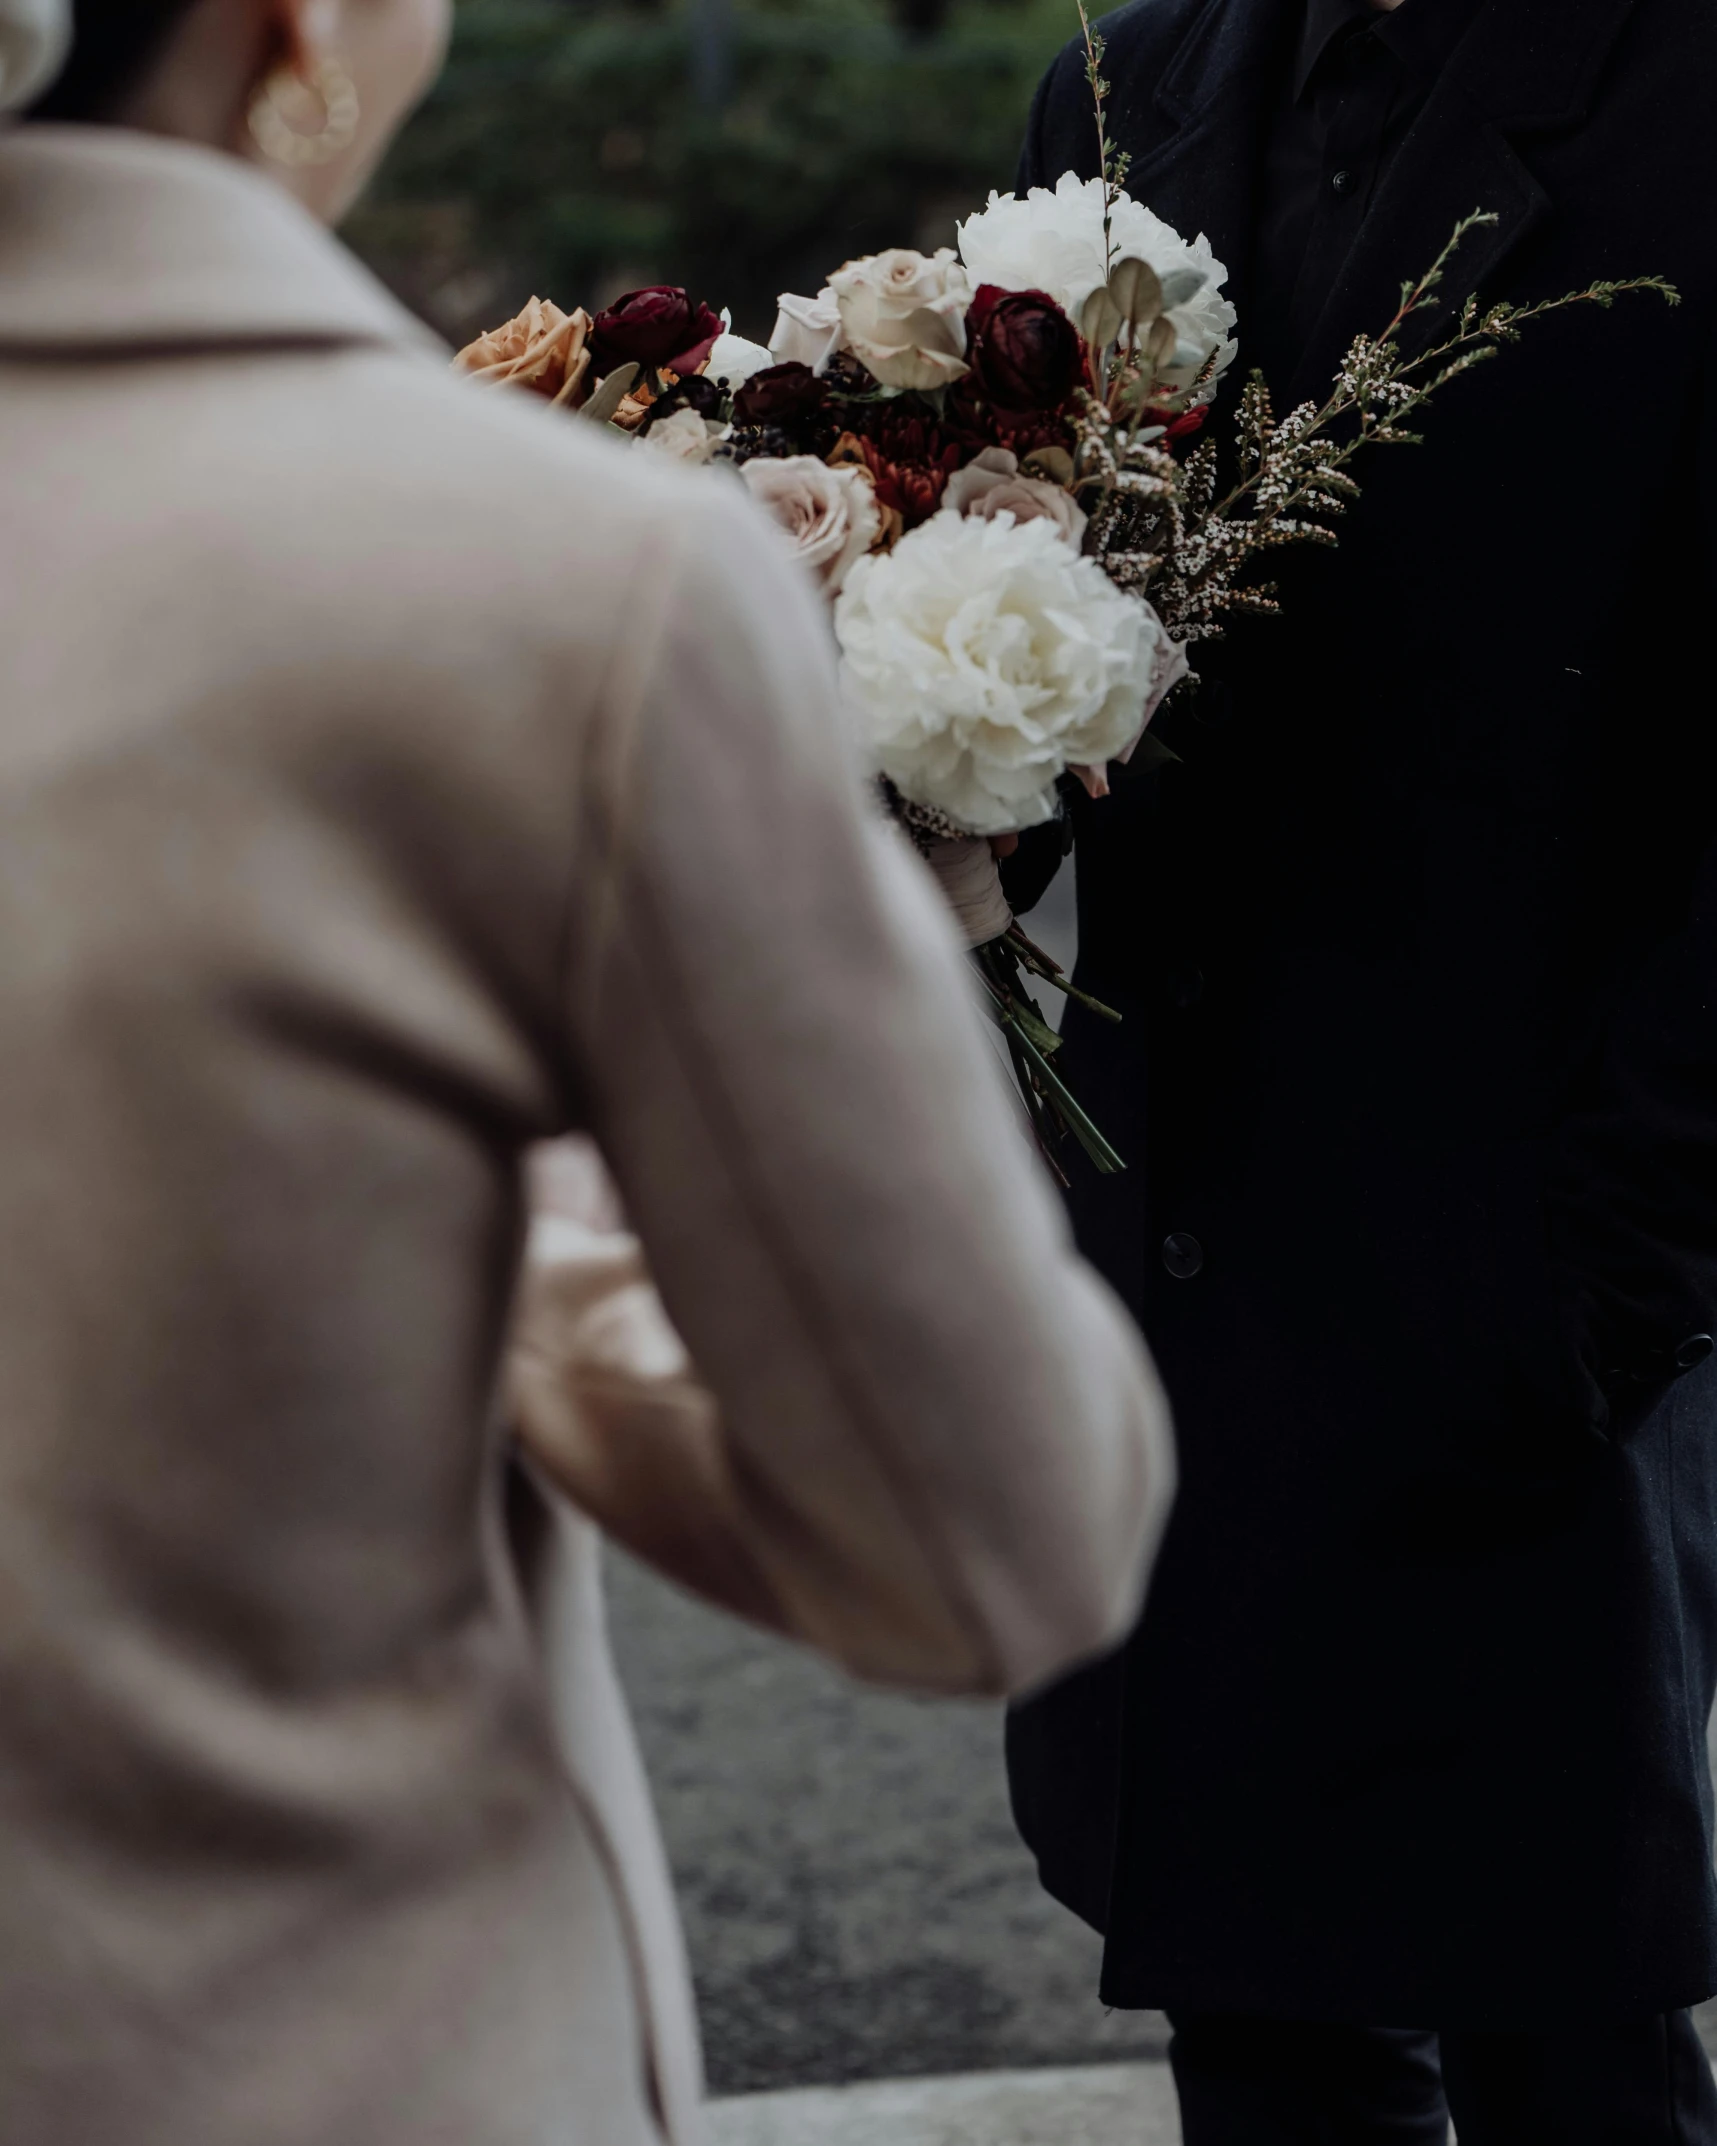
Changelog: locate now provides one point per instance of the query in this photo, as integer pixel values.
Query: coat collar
(112, 241)
(1523, 66)
(1195, 125)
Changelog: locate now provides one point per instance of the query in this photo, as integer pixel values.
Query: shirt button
(1186, 988)
(1183, 1256)
(1693, 1352)
(1343, 184)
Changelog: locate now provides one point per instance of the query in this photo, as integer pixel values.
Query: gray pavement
(857, 1903)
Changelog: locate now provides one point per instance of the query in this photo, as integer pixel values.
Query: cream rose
(831, 515)
(808, 331)
(904, 315)
(683, 436)
(993, 485)
(983, 658)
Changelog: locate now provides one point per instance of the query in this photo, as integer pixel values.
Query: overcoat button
(1693, 1352)
(1183, 1256)
(1342, 184)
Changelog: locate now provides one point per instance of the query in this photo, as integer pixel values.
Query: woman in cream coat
(393, 776)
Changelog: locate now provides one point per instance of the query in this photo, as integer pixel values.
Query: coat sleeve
(1633, 1186)
(945, 1451)
(1632, 1177)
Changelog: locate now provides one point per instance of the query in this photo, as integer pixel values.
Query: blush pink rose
(993, 485)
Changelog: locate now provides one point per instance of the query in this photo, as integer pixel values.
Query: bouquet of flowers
(993, 461)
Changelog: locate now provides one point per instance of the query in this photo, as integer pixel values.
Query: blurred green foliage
(579, 148)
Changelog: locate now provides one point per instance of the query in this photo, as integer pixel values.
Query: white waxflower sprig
(1159, 526)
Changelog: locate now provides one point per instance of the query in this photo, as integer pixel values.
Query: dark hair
(116, 42)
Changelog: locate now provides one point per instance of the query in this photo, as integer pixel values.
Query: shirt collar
(111, 240)
(1328, 23)
(1422, 34)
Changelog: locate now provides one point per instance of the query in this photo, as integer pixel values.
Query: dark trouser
(1252, 2082)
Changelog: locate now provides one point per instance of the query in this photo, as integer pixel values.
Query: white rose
(1053, 242)
(808, 331)
(733, 359)
(993, 485)
(985, 657)
(904, 314)
(830, 514)
(684, 436)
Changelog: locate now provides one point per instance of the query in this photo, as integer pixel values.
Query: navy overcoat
(1417, 949)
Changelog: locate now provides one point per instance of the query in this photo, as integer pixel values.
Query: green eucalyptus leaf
(1182, 284)
(1160, 344)
(610, 394)
(1100, 319)
(1136, 291)
(1055, 463)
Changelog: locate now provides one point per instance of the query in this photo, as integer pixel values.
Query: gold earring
(326, 99)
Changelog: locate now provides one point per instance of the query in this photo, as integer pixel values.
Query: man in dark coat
(1417, 951)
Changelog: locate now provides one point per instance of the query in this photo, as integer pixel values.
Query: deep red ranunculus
(1024, 352)
(779, 395)
(659, 329)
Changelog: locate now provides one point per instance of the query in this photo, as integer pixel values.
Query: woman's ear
(307, 33)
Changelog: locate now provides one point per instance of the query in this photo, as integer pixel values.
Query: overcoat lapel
(1525, 66)
(1196, 131)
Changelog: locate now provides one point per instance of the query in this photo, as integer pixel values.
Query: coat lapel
(1196, 129)
(1525, 66)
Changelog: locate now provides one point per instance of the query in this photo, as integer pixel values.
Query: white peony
(984, 657)
(808, 331)
(904, 315)
(1053, 242)
(733, 358)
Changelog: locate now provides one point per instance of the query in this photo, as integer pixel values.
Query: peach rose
(542, 349)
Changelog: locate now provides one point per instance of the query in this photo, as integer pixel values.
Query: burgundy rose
(780, 395)
(1024, 352)
(659, 329)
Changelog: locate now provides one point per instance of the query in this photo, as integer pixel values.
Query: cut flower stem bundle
(992, 461)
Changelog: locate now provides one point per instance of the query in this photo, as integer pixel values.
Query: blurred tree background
(581, 148)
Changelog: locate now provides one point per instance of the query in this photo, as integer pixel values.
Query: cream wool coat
(394, 775)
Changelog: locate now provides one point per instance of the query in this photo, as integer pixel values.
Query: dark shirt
(1356, 82)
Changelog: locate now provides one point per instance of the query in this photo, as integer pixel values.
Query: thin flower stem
(1040, 964)
(1100, 98)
